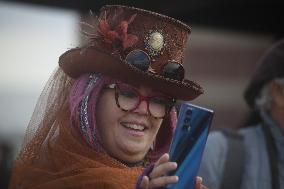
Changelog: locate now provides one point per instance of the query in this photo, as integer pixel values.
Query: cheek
(105, 111)
(156, 123)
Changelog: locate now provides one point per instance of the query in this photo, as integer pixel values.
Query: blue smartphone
(188, 143)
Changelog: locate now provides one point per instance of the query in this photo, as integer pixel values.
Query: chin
(134, 156)
(136, 150)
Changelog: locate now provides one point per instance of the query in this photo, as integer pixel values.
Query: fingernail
(177, 178)
(175, 164)
(200, 178)
(146, 178)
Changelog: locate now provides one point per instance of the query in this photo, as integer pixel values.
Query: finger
(163, 169)
(203, 187)
(198, 183)
(163, 181)
(163, 159)
(144, 183)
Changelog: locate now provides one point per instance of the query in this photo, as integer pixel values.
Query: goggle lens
(142, 61)
(173, 71)
(139, 59)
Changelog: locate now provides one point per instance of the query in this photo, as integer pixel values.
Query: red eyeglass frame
(117, 86)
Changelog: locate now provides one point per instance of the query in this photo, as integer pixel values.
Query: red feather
(119, 32)
(104, 27)
(130, 41)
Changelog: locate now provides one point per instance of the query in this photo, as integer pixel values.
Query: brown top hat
(136, 46)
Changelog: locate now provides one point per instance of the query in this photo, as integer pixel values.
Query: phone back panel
(188, 143)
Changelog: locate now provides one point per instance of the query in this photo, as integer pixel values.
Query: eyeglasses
(142, 61)
(128, 99)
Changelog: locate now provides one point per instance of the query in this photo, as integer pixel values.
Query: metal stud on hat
(154, 42)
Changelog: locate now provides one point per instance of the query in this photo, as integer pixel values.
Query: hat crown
(135, 46)
(123, 29)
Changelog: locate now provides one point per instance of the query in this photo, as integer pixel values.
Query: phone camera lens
(188, 112)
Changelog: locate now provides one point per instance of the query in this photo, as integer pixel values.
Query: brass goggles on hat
(128, 99)
(142, 61)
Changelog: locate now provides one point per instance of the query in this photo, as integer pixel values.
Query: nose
(142, 108)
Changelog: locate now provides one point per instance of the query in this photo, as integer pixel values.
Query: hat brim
(78, 61)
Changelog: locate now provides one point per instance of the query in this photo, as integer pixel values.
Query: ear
(277, 94)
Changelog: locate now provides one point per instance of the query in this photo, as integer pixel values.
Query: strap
(235, 160)
(272, 155)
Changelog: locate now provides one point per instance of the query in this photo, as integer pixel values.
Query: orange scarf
(56, 157)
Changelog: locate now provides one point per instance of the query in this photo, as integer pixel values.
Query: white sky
(31, 40)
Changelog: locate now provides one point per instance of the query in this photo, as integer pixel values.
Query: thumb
(145, 183)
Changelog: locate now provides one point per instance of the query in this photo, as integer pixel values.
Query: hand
(198, 184)
(157, 177)
(162, 167)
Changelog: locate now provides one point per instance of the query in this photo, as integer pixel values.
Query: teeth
(134, 126)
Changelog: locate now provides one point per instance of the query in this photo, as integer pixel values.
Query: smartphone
(188, 143)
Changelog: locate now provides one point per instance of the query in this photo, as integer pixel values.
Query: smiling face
(127, 136)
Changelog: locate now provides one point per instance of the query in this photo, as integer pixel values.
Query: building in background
(222, 62)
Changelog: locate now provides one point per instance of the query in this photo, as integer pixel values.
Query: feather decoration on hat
(110, 29)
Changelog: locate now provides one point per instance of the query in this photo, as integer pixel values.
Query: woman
(108, 112)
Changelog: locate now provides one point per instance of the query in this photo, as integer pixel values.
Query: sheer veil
(54, 155)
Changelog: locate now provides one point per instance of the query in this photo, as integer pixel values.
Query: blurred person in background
(252, 157)
(106, 117)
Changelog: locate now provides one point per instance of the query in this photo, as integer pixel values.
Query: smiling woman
(106, 118)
